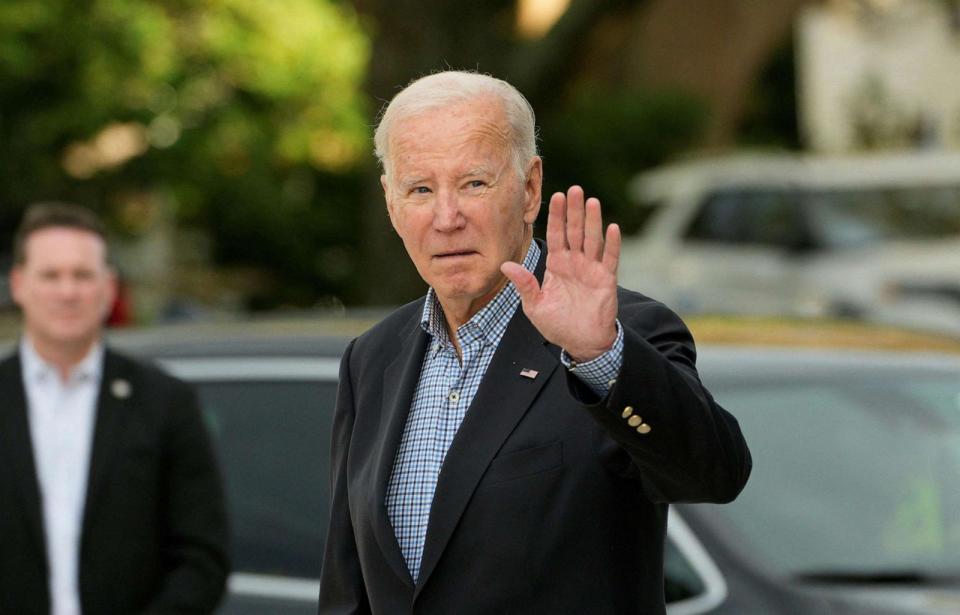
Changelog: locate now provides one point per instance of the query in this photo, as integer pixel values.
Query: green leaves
(200, 107)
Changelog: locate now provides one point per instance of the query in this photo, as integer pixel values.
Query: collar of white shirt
(37, 370)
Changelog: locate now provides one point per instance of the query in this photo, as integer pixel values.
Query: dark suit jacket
(154, 529)
(548, 500)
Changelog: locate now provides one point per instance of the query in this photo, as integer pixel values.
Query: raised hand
(576, 307)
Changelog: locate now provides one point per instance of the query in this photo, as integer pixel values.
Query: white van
(872, 237)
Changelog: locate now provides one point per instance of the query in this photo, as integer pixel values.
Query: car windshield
(851, 218)
(854, 477)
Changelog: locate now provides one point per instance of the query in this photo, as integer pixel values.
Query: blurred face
(457, 201)
(64, 288)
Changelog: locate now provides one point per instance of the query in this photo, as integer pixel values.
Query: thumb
(526, 282)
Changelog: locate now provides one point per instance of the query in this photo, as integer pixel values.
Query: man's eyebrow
(412, 180)
(479, 170)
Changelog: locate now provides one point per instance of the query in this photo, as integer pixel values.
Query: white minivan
(873, 237)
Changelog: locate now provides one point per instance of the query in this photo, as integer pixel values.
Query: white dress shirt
(61, 416)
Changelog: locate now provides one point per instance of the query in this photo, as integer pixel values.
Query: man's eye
(421, 190)
(476, 183)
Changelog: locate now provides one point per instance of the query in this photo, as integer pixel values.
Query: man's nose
(447, 215)
(68, 286)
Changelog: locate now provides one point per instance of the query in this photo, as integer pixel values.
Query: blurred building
(879, 74)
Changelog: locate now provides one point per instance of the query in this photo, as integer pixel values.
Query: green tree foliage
(250, 120)
(243, 117)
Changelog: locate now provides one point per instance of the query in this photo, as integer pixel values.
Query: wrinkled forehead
(458, 129)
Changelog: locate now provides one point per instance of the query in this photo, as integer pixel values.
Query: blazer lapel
(112, 405)
(501, 401)
(16, 440)
(399, 383)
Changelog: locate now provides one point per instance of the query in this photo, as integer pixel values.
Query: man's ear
(113, 291)
(532, 190)
(16, 283)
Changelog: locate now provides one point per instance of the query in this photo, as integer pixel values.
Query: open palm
(576, 306)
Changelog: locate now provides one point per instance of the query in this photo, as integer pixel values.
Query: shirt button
(454, 396)
(627, 412)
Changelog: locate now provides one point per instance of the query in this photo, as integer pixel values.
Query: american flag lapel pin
(526, 372)
(120, 388)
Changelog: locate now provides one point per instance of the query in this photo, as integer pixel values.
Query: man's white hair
(441, 90)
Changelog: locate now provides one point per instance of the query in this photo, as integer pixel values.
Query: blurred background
(795, 157)
(774, 160)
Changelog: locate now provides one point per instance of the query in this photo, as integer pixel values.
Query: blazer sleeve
(342, 588)
(194, 518)
(693, 449)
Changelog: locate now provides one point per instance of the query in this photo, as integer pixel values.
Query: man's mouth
(454, 254)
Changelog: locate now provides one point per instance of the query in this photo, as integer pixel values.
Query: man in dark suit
(110, 499)
(510, 442)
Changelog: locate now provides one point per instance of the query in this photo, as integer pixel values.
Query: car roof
(817, 333)
(772, 338)
(745, 347)
(322, 336)
(812, 172)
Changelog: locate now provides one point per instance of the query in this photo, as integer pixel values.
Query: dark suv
(853, 507)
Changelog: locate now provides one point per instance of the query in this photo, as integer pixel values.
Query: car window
(857, 476)
(274, 440)
(850, 218)
(747, 217)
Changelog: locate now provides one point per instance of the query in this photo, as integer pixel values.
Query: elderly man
(510, 442)
(110, 496)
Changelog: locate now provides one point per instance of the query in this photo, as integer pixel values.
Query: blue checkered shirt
(446, 388)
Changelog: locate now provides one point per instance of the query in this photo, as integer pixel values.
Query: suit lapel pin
(120, 388)
(526, 372)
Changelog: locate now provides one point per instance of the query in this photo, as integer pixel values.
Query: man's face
(64, 287)
(457, 201)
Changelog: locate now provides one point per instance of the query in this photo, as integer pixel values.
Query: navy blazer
(154, 532)
(548, 500)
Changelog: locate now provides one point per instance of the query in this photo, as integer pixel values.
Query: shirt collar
(39, 370)
(490, 322)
